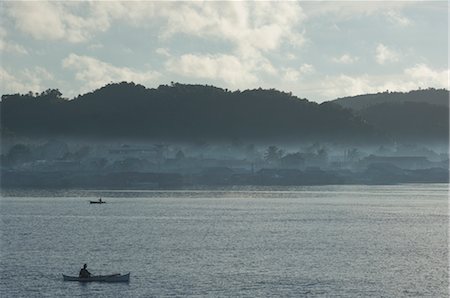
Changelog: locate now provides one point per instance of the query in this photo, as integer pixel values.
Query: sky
(319, 50)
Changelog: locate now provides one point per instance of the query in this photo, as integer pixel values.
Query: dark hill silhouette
(432, 96)
(181, 112)
(420, 115)
(409, 121)
(202, 112)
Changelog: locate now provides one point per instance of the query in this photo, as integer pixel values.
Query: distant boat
(97, 202)
(99, 278)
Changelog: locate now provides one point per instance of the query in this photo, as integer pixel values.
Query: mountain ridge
(431, 96)
(190, 112)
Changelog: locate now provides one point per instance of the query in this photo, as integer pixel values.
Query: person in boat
(84, 273)
(100, 200)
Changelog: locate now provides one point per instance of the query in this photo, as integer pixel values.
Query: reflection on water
(309, 241)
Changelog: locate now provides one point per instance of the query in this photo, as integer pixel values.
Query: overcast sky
(316, 50)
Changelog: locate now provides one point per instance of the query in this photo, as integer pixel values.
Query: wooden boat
(97, 202)
(99, 278)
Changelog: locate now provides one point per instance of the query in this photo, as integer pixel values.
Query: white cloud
(255, 25)
(344, 85)
(11, 84)
(385, 54)
(291, 75)
(96, 46)
(397, 18)
(250, 29)
(424, 76)
(10, 47)
(38, 73)
(226, 68)
(23, 81)
(42, 20)
(418, 76)
(344, 10)
(259, 25)
(95, 73)
(294, 75)
(70, 21)
(248, 35)
(239, 69)
(291, 56)
(163, 52)
(307, 68)
(256, 62)
(345, 59)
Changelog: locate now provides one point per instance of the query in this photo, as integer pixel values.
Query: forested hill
(439, 97)
(206, 113)
(181, 112)
(415, 115)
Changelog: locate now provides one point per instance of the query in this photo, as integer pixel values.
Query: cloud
(29, 79)
(344, 85)
(345, 59)
(418, 76)
(398, 19)
(42, 20)
(71, 21)
(291, 56)
(385, 54)
(424, 76)
(307, 68)
(10, 47)
(10, 84)
(294, 75)
(96, 46)
(163, 52)
(345, 10)
(95, 73)
(240, 44)
(291, 75)
(260, 26)
(226, 68)
(250, 30)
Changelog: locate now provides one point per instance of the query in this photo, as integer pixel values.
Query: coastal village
(57, 164)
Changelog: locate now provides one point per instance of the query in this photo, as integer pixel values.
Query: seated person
(84, 273)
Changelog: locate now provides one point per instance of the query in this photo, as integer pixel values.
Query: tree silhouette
(273, 154)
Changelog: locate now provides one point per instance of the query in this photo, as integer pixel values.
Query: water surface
(348, 241)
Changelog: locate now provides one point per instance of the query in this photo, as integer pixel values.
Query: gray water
(328, 241)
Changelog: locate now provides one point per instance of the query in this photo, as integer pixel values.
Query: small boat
(99, 278)
(97, 202)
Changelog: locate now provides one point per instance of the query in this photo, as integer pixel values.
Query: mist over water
(287, 241)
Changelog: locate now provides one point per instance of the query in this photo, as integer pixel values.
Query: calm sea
(327, 241)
